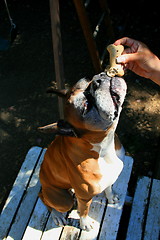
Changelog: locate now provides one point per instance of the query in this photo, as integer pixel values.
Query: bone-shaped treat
(114, 68)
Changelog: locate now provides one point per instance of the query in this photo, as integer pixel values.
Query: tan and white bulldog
(87, 156)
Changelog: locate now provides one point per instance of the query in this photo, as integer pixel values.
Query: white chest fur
(110, 164)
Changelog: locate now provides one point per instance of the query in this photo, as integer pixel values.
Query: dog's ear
(59, 92)
(51, 128)
(62, 127)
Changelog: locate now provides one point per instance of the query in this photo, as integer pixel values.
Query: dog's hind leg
(111, 196)
(58, 218)
(58, 202)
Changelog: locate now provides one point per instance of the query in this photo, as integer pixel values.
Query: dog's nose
(102, 74)
(96, 84)
(99, 79)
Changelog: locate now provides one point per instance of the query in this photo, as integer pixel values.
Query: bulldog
(87, 156)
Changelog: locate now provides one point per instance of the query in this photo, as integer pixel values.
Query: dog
(87, 156)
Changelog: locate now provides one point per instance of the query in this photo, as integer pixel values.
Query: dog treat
(114, 68)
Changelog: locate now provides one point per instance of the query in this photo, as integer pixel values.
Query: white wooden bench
(25, 217)
(145, 215)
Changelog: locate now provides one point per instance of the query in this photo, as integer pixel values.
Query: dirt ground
(27, 69)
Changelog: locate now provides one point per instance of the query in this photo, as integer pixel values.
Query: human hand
(139, 59)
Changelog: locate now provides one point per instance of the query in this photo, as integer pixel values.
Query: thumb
(126, 58)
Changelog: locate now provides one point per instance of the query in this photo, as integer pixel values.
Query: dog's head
(94, 104)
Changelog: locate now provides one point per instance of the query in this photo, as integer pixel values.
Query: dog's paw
(58, 218)
(113, 199)
(86, 223)
(111, 196)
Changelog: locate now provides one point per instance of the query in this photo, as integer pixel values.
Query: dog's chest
(109, 172)
(110, 165)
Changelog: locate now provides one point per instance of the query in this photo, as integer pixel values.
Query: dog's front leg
(86, 223)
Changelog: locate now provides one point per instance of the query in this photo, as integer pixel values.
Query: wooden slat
(96, 212)
(152, 230)
(114, 211)
(138, 209)
(57, 49)
(51, 230)
(17, 191)
(27, 204)
(83, 18)
(37, 222)
(71, 232)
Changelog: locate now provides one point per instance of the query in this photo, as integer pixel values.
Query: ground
(27, 69)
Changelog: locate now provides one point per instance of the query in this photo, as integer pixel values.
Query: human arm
(139, 59)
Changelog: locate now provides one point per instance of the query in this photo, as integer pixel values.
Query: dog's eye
(87, 105)
(85, 108)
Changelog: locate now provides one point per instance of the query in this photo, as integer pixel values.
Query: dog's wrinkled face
(96, 103)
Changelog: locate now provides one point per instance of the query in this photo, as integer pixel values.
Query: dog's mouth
(91, 101)
(115, 98)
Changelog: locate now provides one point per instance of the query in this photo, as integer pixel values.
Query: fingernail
(121, 59)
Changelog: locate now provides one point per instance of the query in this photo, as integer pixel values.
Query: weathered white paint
(113, 212)
(96, 213)
(152, 229)
(27, 204)
(37, 222)
(139, 205)
(51, 230)
(17, 191)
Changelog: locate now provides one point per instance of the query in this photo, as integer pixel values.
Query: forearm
(155, 75)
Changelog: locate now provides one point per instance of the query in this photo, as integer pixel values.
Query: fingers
(133, 45)
(127, 50)
(138, 58)
(126, 58)
(126, 41)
